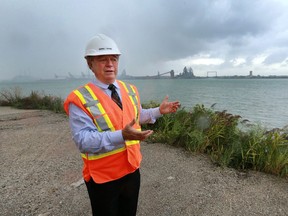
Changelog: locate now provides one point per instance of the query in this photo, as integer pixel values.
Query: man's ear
(89, 63)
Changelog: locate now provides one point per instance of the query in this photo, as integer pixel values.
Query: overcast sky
(41, 38)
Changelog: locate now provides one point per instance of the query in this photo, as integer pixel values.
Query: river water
(261, 101)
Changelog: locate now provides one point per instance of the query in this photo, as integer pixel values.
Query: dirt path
(41, 175)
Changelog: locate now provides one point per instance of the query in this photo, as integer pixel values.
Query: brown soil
(41, 175)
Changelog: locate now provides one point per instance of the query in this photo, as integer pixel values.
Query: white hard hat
(101, 45)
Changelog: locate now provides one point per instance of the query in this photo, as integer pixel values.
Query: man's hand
(169, 107)
(130, 133)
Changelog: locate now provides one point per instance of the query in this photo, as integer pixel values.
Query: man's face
(105, 67)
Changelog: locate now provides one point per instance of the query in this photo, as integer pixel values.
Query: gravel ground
(41, 175)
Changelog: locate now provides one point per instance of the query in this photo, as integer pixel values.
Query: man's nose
(109, 61)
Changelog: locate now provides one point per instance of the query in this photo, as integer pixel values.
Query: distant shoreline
(150, 77)
(209, 77)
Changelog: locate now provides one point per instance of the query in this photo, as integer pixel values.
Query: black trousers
(115, 198)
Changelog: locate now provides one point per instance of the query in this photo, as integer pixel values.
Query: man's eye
(102, 59)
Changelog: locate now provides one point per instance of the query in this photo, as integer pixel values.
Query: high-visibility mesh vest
(107, 116)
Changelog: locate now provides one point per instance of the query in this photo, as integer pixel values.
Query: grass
(14, 98)
(226, 138)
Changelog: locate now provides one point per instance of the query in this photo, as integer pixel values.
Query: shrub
(34, 101)
(229, 141)
(9, 97)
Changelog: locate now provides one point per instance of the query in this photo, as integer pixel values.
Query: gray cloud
(276, 57)
(43, 38)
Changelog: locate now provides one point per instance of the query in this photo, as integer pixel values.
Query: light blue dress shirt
(85, 134)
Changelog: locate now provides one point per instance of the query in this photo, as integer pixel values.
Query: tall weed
(228, 140)
(35, 100)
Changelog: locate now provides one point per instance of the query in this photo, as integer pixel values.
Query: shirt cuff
(156, 112)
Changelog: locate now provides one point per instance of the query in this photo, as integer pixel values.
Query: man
(105, 117)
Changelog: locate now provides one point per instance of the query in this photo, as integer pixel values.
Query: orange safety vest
(107, 116)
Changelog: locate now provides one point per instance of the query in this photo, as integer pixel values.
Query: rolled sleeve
(149, 116)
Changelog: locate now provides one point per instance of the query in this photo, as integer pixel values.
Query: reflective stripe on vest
(95, 156)
(91, 156)
(133, 97)
(102, 120)
(90, 101)
(134, 100)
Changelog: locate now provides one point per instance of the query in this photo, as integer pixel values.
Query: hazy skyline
(44, 38)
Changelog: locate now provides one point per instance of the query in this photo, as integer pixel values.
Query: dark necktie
(114, 95)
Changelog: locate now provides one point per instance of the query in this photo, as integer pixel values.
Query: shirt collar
(98, 83)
